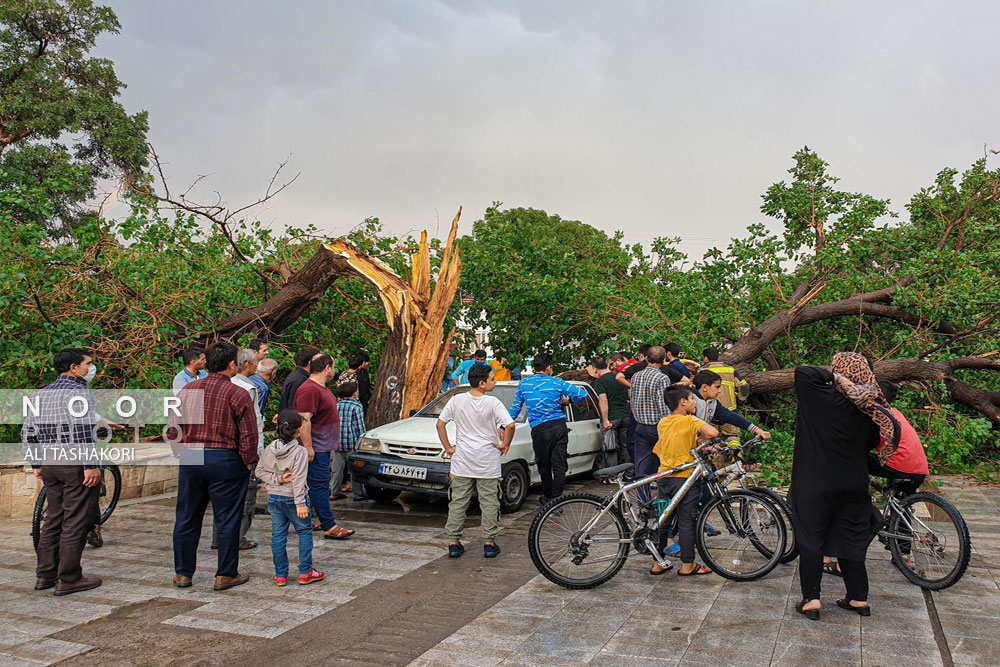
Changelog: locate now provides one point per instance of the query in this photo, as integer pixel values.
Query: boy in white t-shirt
(475, 458)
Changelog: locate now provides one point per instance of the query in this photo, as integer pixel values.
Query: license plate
(396, 470)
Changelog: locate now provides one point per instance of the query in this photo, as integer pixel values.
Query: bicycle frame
(699, 469)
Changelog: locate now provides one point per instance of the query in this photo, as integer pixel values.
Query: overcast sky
(655, 118)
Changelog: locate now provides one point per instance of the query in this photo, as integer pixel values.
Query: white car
(406, 455)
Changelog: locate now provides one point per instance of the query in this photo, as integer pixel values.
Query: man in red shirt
(215, 460)
(320, 436)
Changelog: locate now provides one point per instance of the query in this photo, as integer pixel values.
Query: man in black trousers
(216, 456)
(55, 437)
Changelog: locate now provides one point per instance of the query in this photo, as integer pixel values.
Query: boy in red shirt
(909, 462)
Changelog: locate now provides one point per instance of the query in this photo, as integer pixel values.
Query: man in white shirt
(475, 459)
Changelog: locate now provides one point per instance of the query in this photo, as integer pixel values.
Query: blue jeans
(318, 480)
(282, 511)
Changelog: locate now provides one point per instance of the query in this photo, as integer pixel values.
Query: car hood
(422, 430)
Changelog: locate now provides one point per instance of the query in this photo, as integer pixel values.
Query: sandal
(696, 572)
(317, 525)
(673, 550)
(249, 544)
(338, 533)
(832, 569)
(663, 571)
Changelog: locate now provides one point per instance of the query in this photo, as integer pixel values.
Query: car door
(584, 433)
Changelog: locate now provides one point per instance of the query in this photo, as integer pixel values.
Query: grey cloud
(652, 117)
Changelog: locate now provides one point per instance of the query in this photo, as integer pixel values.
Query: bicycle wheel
(38, 518)
(568, 557)
(110, 492)
(932, 531)
(791, 551)
(752, 538)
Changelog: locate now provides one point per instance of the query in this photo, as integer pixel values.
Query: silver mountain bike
(581, 540)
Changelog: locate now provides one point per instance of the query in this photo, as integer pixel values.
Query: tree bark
(301, 291)
(898, 370)
(754, 342)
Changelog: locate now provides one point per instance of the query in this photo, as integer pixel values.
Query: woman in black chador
(841, 415)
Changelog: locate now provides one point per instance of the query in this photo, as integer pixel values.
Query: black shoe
(542, 500)
(94, 538)
(811, 614)
(455, 550)
(860, 611)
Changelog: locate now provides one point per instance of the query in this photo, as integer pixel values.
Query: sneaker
(311, 576)
(281, 581)
(542, 500)
(94, 538)
(491, 550)
(455, 550)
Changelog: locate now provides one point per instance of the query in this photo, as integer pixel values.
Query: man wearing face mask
(70, 487)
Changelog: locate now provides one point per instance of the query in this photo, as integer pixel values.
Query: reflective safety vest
(733, 388)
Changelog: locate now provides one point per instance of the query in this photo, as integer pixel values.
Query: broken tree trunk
(415, 355)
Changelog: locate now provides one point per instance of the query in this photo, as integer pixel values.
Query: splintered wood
(415, 357)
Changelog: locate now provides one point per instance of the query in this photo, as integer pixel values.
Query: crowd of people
(654, 409)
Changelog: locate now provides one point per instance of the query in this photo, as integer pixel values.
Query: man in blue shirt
(194, 368)
(461, 374)
(673, 353)
(266, 369)
(544, 397)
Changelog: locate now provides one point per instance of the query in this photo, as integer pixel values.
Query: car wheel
(513, 487)
(381, 495)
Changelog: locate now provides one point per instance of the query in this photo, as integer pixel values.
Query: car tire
(380, 494)
(514, 484)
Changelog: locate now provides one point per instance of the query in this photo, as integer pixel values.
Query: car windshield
(505, 392)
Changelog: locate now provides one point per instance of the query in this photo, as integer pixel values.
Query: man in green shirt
(612, 399)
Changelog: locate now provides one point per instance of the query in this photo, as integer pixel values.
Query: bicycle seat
(605, 473)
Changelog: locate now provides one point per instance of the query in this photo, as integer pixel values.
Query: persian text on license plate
(396, 470)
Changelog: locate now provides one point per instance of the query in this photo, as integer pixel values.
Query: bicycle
(741, 475)
(926, 535)
(575, 532)
(109, 489)
(734, 454)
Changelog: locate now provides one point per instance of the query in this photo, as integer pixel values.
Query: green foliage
(61, 126)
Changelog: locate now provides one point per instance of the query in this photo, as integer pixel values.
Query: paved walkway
(392, 598)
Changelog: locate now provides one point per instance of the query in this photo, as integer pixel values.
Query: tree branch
(898, 370)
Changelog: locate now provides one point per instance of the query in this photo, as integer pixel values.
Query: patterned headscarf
(867, 397)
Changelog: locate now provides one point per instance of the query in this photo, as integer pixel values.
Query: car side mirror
(414, 411)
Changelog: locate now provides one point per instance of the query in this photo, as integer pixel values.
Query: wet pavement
(392, 597)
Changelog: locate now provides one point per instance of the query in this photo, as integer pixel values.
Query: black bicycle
(110, 490)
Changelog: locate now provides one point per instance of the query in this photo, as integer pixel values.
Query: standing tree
(61, 126)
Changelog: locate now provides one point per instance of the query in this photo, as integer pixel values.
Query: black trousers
(222, 479)
(911, 483)
(550, 441)
(630, 438)
(685, 518)
(811, 574)
(72, 508)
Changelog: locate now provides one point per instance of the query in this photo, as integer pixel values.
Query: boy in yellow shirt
(679, 433)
